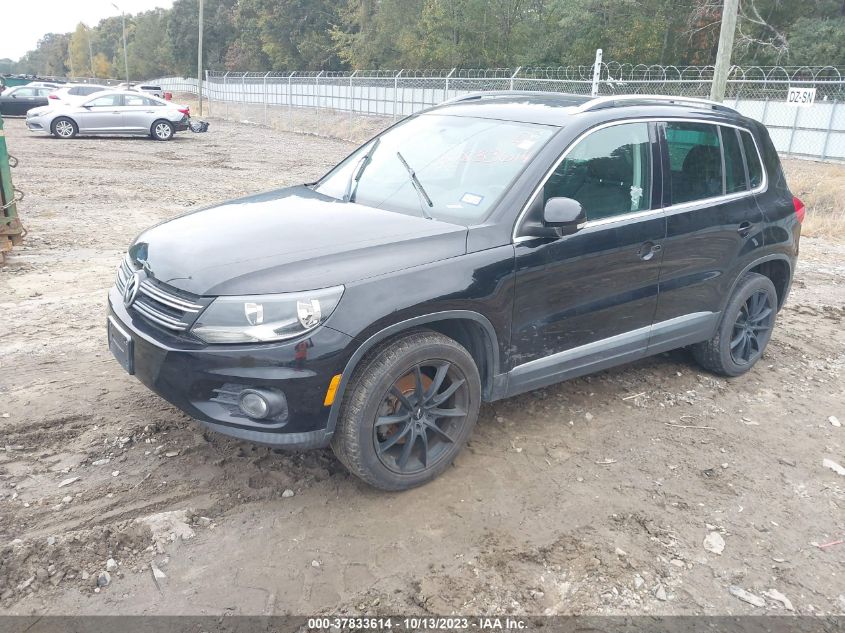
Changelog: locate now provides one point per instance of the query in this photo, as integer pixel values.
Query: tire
(64, 127)
(745, 329)
(162, 130)
(378, 451)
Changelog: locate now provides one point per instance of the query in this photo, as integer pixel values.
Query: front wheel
(745, 329)
(64, 127)
(409, 410)
(162, 130)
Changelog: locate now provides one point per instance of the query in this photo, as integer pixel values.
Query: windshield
(463, 165)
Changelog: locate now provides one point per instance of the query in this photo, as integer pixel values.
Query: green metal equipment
(11, 230)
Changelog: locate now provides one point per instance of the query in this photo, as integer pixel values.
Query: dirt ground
(591, 497)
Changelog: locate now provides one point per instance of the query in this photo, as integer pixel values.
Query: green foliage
(284, 35)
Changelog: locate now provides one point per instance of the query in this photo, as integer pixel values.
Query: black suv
(494, 244)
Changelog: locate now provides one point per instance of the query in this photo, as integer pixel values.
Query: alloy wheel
(162, 131)
(751, 328)
(421, 416)
(64, 129)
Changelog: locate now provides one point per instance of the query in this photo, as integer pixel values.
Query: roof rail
(612, 100)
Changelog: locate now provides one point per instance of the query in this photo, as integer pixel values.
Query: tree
(78, 58)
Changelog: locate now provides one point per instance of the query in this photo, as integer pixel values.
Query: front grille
(157, 303)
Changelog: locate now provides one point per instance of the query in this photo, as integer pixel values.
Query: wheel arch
(777, 267)
(471, 329)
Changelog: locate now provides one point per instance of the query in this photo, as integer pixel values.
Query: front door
(23, 99)
(102, 114)
(587, 300)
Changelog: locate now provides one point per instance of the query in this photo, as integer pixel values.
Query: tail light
(187, 111)
(800, 211)
(56, 97)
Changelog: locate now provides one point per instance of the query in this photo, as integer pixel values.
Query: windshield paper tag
(472, 198)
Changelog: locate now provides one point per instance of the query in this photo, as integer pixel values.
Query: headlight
(263, 318)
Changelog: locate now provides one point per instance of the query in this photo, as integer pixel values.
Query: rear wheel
(162, 130)
(409, 410)
(745, 330)
(64, 127)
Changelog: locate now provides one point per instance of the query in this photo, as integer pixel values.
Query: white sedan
(115, 112)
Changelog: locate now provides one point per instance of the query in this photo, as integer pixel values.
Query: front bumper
(192, 376)
(37, 124)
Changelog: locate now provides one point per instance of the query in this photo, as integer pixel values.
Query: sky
(22, 25)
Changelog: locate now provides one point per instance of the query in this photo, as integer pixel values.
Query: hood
(288, 240)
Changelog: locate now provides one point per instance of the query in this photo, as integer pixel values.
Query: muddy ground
(593, 496)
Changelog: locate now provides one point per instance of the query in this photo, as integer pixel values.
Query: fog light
(263, 404)
(254, 404)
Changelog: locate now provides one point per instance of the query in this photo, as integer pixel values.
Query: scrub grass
(821, 187)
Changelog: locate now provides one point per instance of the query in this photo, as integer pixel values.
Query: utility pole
(125, 55)
(723, 55)
(199, 57)
(90, 49)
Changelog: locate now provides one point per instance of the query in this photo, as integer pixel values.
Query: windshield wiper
(417, 187)
(355, 178)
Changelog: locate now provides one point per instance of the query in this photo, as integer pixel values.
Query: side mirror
(563, 212)
(560, 216)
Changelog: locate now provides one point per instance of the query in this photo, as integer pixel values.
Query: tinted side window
(695, 161)
(752, 158)
(608, 172)
(734, 168)
(90, 90)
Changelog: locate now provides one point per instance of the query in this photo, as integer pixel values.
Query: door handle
(649, 250)
(744, 229)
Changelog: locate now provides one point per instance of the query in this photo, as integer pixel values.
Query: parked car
(112, 112)
(492, 245)
(16, 101)
(45, 84)
(75, 93)
(150, 89)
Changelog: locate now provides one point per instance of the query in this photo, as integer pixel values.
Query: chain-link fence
(356, 105)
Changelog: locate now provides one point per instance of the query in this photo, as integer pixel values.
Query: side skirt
(612, 351)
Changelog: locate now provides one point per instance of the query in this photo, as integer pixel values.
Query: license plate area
(120, 344)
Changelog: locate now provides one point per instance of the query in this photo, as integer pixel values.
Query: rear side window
(695, 161)
(752, 159)
(156, 88)
(734, 167)
(608, 172)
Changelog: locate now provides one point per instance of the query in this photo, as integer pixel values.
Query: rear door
(138, 113)
(42, 97)
(713, 227)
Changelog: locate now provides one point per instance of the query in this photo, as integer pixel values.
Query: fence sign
(801, 97)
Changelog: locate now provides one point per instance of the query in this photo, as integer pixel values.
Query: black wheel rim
(752, 328)
(421, 416)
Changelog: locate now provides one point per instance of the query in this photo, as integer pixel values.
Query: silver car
(113, 112)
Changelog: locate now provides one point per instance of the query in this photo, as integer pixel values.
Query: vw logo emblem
(130, 291)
